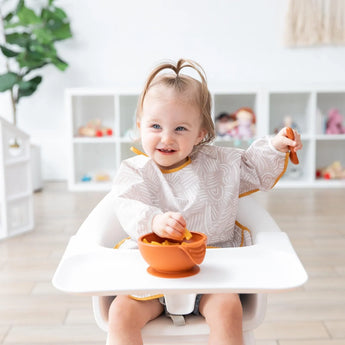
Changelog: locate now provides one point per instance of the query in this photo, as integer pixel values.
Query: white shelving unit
(99, 157)
(116, 109)
(16, 200)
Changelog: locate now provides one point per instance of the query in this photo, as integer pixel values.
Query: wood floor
(32, 312)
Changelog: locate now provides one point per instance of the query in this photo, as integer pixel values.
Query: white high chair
(90, 266)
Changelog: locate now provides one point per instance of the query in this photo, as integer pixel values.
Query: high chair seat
(90, 266)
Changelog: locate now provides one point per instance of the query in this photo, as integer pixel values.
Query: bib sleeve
(261, 167)
(132, 201)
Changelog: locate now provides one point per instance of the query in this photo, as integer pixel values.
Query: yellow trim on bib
(164, 171)
(137, 152)
(148, 298)
(168, 171)
(118, 245)
(284, 170)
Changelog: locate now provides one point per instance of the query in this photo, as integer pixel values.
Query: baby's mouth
(166, 150)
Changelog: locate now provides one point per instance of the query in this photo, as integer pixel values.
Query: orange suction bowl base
(181, 274)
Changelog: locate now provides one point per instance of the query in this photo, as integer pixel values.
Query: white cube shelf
(308, 107)
(16, 200)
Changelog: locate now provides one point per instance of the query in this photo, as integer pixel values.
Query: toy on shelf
(245, 123)
(333, 171)
(94, 128)
(97, 177)
(225, 124)
(86, 178)
(287, 122)
(335, 122)
(102, 177)
(240, 125)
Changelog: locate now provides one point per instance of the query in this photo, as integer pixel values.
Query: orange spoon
(293, 155)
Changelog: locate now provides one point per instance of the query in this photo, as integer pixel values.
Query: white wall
(116, 43)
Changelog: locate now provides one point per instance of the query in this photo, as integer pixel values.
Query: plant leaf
(27, 88)
(8, 17)
(62, 33)
(19, 6)
(8, 80)
(28, 84)
(20, 39)
(60, 13)
(27, 16)
(60, 64)
(31, 60)
(8, 52)
(43, 36)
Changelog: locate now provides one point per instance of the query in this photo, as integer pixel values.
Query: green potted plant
(27, 45)
(29, 39)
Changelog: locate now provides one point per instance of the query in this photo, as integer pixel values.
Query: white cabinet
(94, 160)
(16, 201)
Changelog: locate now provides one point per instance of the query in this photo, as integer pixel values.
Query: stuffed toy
(333, 171)
(94, 128)
(335, 122)
(225, 124)
(245, 122)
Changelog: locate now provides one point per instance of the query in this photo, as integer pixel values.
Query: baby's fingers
(298, 141)
(178, 218)
(176, 224)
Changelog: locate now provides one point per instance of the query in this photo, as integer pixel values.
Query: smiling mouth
(166, 150)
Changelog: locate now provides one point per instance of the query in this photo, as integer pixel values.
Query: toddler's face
(170, 126)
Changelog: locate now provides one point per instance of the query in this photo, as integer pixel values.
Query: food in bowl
(179, 259)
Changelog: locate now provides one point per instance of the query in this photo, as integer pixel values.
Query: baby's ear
(201, 136)
(138, 124)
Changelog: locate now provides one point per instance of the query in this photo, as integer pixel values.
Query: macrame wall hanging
(315, 22)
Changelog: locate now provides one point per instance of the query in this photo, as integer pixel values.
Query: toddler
(182, 181)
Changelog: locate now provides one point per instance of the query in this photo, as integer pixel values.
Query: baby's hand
(169, 225)
(281, 142)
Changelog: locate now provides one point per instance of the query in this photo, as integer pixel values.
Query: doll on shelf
(225, 124)
(245, 123)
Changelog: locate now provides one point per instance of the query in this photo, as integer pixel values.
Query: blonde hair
(195, 91)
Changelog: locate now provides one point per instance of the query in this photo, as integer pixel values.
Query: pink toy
(335, 122)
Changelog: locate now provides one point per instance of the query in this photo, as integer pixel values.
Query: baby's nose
(166, 137)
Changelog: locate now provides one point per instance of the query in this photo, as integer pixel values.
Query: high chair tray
(271, 264)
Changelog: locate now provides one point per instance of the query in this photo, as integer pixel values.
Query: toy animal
(335, 122)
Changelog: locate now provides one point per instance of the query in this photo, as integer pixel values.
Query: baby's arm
(169, 225)
(281, 142)
(263, 165)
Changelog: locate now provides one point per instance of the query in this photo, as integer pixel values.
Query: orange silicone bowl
(173, 261)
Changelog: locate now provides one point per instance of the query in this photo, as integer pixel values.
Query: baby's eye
(156, 126)
(180, 128)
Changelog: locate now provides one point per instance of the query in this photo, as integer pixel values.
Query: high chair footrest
(178, 320)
